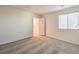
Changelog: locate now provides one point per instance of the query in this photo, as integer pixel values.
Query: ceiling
(42, 9)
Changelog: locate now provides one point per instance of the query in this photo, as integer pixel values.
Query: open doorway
(39, 26)
(36, 27)
(42, 26)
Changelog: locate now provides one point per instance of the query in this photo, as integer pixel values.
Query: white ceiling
(42, 9)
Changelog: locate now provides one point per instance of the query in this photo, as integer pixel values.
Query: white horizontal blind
(63, 22)
(69, 21)
(73, 21)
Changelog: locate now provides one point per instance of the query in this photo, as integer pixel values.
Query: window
(73, 21)
(68, 21)
(63, 21)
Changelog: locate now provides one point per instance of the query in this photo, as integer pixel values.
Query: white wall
(15, 24)
(52, 29)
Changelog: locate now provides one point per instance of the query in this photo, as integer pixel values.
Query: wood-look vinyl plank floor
(39, 45)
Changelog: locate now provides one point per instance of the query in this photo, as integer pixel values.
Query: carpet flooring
(39, 45)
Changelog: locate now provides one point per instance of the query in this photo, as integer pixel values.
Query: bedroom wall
(15, 24)
(53, 31)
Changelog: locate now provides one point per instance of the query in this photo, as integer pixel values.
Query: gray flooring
(40, 45)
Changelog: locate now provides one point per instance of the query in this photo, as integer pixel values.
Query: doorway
(42, 26)
(36, 27)
(39, 27)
